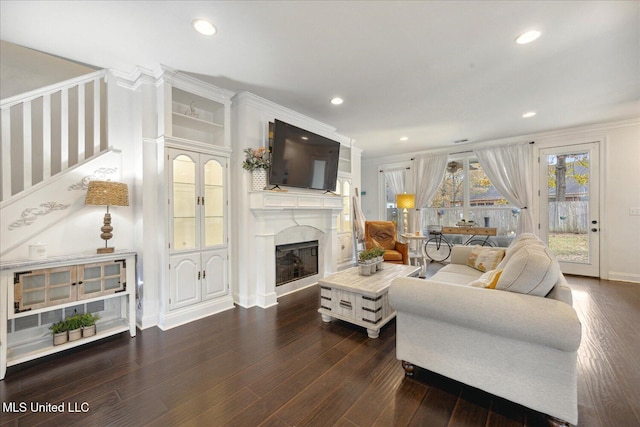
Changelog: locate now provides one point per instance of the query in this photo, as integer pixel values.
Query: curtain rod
(471, 151)
(394, 169)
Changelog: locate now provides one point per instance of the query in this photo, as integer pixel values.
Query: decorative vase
(364, 269)
(88, 331)
(75, 334)
(258, 179)
(60, 338)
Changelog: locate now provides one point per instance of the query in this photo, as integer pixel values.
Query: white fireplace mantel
(259, 200)
(284, 217)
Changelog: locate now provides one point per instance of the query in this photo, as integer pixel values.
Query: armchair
(382, 234)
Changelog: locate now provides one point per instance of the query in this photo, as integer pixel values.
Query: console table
(471, 231)
(36, 293)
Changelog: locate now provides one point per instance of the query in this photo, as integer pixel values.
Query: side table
(416, 250)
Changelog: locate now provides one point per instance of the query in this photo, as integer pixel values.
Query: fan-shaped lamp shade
(107, 193)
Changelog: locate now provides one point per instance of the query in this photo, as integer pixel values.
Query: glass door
(184, 199)
(214, 201)
(569, 206)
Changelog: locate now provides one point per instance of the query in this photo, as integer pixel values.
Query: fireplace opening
(295, 261)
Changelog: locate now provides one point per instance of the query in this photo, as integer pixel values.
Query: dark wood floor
(284, 367)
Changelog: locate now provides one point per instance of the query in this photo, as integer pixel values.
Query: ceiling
(435, 72)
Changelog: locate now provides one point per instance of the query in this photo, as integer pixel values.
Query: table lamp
(107, 193)
(405, 201)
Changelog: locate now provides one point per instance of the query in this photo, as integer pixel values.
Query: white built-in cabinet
(195, 135)
(347, 186)
(198, 230)
(345, 223)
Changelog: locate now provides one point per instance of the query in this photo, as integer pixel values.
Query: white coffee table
(361, 300)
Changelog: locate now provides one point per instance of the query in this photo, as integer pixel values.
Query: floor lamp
(405, 201)
(107, 193)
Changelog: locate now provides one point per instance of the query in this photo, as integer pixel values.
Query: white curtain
(508, 168)
(358, 218)
(395, 180)
(427, 176)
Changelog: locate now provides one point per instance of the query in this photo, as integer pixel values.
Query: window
(467, 193)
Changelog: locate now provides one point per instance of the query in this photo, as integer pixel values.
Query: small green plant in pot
(59, 332)
(378, 253)
(88, 324)
(73, 327)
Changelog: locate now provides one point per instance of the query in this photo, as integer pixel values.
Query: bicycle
(434, 248)
(436, 251)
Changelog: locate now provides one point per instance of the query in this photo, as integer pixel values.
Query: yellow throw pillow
(487, 280)
(485, 258)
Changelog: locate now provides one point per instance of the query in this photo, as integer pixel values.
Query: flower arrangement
(256, 158)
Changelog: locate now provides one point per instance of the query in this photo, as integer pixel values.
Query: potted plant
(73, 327)
(366, 262)
(257, 161)
(59, 332)
(379, 256)
(88, 324)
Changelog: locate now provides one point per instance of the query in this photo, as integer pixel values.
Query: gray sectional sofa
(518, 340)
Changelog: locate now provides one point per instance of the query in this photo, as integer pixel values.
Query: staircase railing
(48, 130)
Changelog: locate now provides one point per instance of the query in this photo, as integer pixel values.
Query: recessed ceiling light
(337, 101)
(529, 114)
(528, 37)
(404, 138)
(204, 27)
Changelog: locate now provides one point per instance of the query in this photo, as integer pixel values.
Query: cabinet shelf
(194, 122)
(34, 349)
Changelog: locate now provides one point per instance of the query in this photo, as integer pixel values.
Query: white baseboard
(624, 277)
(195, 312)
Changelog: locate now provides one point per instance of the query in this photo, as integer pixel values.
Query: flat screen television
(303, 159)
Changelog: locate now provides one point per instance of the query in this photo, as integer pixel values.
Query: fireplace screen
(296, 261)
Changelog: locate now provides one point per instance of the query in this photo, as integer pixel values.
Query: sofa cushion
(488, 280)
(392, 255)
(456, 274)
(531, 270)
(484, 258)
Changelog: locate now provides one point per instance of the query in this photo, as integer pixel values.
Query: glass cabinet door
(214, 202)
(183, 183)
(100, 279)
(346, 206)
(43, 288)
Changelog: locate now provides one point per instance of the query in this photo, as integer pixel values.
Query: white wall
(620, 231)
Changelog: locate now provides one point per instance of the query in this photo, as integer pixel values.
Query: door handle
(594, 229)
(594, 222)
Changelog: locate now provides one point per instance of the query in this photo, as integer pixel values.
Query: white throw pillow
(531, 270)
(513, 248)
(488, 280)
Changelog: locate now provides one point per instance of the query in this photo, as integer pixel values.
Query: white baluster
(81, 122)
(6, 153)
(26, 145)
(46, 136)
(64, 129)
(96, 116)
